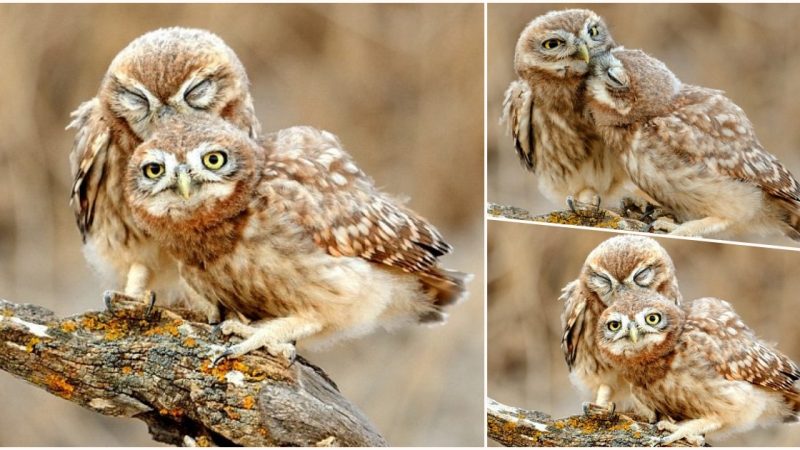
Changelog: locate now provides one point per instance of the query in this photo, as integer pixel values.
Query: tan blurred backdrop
(529, 264)
(402, 86)
(751, 51)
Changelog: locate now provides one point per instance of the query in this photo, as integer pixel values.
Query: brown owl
(289, 233)
(544, 109)
(620, 264)
(164, 73)
(698, 364)
(691, 149)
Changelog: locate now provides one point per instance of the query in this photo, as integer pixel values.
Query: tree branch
(158, 370)
(517, 427)
(602, 218)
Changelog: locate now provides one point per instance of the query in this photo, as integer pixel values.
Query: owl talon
(599, 411)
(122, 305)
(222, 356)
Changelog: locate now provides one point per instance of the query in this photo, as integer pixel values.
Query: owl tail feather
(444, 288)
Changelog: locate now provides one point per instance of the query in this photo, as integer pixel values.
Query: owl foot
(123, 305)
(665, 224)
(286, 351)
(600, 411)
(678, 432)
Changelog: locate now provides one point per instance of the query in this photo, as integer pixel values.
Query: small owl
(620, 264)
(544, 109)
(164, 73)
(289, 233)
(698, 364)
(691, 149)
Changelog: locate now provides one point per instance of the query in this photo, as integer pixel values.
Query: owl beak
(184, 184)
(583, 53)
(165, 111)
(633, 332)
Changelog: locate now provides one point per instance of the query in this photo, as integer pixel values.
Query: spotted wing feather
(517, 115)
(87, 161)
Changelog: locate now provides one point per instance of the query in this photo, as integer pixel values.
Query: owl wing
(572, 319)
(518, 117)
(87, 160)
(733, 348)
(714, 130)
(340, 206)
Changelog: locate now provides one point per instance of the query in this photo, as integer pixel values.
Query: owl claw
(600, 411)
(119, 304)
(224, 355)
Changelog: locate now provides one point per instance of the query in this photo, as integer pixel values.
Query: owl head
(175, 72)
(639, 327)
(560, 44)
(191, 174)
(629, 263)
(626, 86)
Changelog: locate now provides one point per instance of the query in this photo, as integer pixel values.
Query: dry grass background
(529, 264)
(403, 88)
(751, 51)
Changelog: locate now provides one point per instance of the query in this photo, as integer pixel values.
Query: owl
(691, 149)
(289, 233)
(544, 110)
(164, 73)
(698, 364)
(620, 264)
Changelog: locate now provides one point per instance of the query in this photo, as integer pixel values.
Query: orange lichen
(59, 386)
(170, 328)
(113, 329)
(203, 441)
(190, 343)
(231, 412)
(249, 402)
(174, 412)
(127, 370)
(68, 326)
(263, 432)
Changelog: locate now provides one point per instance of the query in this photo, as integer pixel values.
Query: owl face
(175, 71)
(199, 171)
(638, 324)
(626, 86)
(629, 263)
(561, 43)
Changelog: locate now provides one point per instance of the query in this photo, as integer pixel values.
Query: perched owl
(544, 109)
(164, 73)
(620, 264)
(691, 149)
(289, 233)
(697, 364)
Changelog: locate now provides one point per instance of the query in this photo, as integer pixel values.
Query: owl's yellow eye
(594, 31)
(552, 43)
(653, 318)
(153, 170)
(614, 325)
(214, 160)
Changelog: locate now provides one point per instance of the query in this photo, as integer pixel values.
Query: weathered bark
(515, 427)
(158, 370)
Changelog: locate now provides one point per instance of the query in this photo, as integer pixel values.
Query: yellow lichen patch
(68, 326)
(190, 343)
(263, 432)
(203, 441)
(219, 371)
(509, 427)
(127, 370)
(248, 402)
(59, 386)
(7, 312)
(31, 344)
(231, 412)
(113, 329)
(170, 328)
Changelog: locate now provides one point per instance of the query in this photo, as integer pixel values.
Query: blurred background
(751, 51)
(529, 264)
(401, 85)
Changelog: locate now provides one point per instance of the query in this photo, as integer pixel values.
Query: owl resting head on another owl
(626, 86)
(561, 43)
(175, 71)
(629, 263)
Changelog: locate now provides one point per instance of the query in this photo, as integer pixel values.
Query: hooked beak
(583, 53)
(184, 183)
(633, 332)
(165, 111)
